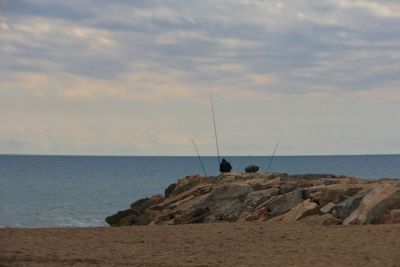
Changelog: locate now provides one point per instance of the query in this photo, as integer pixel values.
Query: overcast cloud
(134, 77)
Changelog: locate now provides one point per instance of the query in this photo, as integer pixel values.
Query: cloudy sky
(134, 77)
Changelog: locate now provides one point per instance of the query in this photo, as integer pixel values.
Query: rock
(185, 184)
(325, 194)
(201, 210)
(286, 188)
(114, 220)
(274, 175)
(329, 181)
(310, 176)
(145, 203)
(169, 189)
(195, 215)
(156, 199)
(131, 217)
(161, 218)
(230, 191)
(251, 169)
(302, 210)
(139, 204)
(178, 219)
(326, 219)
(328, 208)
(376, 204)
(336, 193)
(233, 197)
(258, 215)
(331, 220)
(180, 199)
(255, 198)
(261, 186)
(225, 202)
(351, 191)
(282, 203)
(394, 216)
(343, 209)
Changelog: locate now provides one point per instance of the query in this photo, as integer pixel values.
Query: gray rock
(114, 220)
(143, 204)
(328, 208)
(274, 175)
(230, 191)
(300, 211)
(251, 169)
(225, 202)
(255, 198)
(280, 204)
(329, 181)
(140, 204)
(344, 208)
(261, 186)
(169, 189)
(376, 204)
(272, 196)
(286, 188)
(185, 184)
(311, 176)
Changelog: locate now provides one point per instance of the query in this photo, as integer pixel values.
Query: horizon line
(111, 155)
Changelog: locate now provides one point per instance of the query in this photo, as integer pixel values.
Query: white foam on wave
(73, 222)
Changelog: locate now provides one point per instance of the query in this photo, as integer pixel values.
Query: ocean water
(70, 191)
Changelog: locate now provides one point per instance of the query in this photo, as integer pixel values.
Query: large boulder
(324, 194)
(114, 220)
(189, 209)
(283, 203)
(343, 209)
(184, 184)
(196, 214)
(376, 205)
(169, 189)
(302, 210)
(145, 203)
(255, 198)
(131, 217)
(225, 202)
(230, 191)
(293, 184)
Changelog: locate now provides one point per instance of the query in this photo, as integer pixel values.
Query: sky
(121, 77)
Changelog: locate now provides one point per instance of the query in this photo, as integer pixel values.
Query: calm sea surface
(63, 191)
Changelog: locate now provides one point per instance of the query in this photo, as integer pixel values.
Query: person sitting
(225, 166)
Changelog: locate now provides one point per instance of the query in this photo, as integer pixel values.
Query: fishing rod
(215, 128)
(273, 154)
(198, 155)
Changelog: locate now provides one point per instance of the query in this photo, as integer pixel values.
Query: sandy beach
(223, 244)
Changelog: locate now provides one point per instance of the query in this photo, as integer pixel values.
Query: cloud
(159, 55)
(285, 39)
(386, 10)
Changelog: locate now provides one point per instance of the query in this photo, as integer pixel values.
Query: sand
(225, 244)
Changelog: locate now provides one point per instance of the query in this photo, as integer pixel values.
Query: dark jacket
(225, 166)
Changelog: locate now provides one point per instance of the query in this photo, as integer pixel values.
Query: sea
(81, 191)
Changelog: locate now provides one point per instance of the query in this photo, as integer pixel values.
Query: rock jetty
(238, 197)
